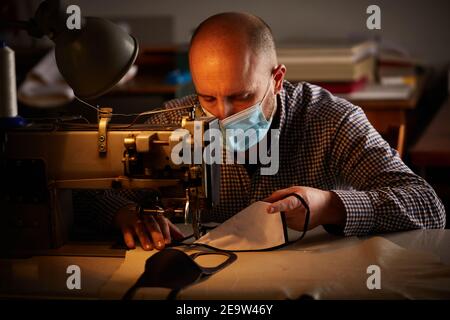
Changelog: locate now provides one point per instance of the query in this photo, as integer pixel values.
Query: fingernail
(147, 246)
(159, 244)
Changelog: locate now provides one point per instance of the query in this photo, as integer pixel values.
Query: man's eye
(209, 99)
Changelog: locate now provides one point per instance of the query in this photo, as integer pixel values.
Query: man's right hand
(153, 232)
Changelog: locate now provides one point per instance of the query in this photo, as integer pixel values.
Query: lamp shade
(94, 58)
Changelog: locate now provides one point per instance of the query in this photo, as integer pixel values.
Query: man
(329, 153)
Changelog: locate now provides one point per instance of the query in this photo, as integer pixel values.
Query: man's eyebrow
(240, 93)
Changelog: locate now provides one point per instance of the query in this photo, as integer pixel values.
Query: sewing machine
(42, 164)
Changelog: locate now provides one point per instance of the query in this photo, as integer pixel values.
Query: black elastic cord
(231, 257)
(307, 216)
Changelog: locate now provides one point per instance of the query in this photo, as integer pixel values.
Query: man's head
(233, 63)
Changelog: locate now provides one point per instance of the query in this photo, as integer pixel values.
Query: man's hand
(325, 207)
(152, 231)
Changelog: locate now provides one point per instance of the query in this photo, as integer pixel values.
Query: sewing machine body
(41, 166)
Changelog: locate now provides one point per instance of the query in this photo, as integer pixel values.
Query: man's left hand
(325, 207)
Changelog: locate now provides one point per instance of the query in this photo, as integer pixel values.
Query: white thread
(8, 92)
(137, 115)
(87, 104)
(97, 109)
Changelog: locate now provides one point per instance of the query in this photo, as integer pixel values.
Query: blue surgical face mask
(246, 128)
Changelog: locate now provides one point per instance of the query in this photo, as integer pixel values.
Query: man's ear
(279, 72)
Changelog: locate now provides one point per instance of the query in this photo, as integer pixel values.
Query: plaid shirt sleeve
(385, 195)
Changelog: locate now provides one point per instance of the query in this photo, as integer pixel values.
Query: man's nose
(224, 109)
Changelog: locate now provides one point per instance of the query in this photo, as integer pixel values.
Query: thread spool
(8, 92)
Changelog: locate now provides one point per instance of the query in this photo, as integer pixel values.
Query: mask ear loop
(210, 270)
(267, 89)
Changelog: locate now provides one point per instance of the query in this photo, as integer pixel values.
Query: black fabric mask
(174, 269)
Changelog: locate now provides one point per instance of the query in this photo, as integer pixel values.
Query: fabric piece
(44, 85)
(251, 229)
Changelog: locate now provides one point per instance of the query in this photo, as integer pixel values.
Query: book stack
(397, 70)
(339, 66)
(397, 79)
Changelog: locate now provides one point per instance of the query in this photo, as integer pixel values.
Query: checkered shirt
(327, 143)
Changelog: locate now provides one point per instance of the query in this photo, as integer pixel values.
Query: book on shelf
(328, 61)
(375, 91)
(343, 86)
(328, 49)
(331, 72)
(398, 74)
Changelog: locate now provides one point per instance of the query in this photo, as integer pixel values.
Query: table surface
(46, 276)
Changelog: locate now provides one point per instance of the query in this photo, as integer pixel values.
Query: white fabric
(250, 229)
(44, 85)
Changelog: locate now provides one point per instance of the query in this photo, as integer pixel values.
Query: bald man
(329, 153)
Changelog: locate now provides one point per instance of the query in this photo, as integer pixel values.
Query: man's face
(229, 80)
